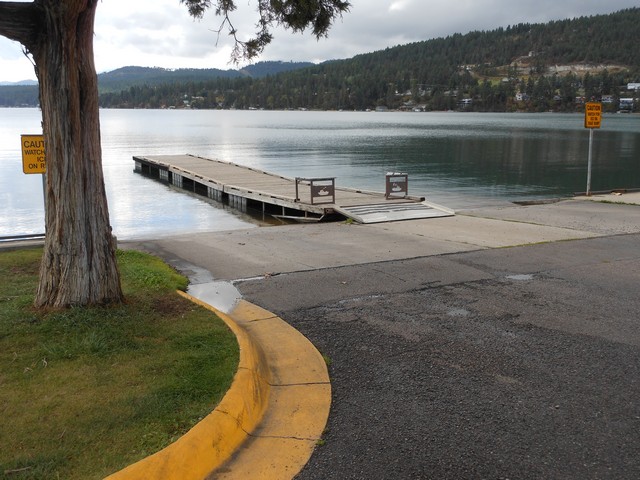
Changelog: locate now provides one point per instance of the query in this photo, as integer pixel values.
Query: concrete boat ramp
(299, 199)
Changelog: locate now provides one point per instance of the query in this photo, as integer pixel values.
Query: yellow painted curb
(270, 420)
(299, 402)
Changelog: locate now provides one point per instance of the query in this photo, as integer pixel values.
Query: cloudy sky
(160, 32)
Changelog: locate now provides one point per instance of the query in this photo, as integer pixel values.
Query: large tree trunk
(79, 263)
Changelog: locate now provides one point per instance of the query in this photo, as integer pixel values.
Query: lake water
(460, 160)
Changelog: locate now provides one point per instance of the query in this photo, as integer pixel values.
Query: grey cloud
(160, 32)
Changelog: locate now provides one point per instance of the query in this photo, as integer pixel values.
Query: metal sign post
(592, 120)
(589, 162)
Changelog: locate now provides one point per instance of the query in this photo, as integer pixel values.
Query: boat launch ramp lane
(302, 199)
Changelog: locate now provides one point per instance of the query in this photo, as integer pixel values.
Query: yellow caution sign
(592, 115)
(33, 158)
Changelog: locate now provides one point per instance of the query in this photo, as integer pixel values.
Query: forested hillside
(126, 77)
(18, 95)
(531, 67)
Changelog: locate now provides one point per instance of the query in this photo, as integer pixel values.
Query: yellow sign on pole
(592, 115)
(33, 158)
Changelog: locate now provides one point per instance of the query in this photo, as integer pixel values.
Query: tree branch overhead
(21, 22)
(295, 15)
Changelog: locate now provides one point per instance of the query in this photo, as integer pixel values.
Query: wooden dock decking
(245, 187)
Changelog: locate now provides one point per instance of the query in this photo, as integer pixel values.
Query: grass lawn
(85, 392)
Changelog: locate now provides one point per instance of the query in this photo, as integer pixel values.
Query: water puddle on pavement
(221, 295)
(521, 278)
(217, 293)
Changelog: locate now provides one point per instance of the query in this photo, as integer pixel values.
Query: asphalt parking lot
(502, 343)
(513, 363)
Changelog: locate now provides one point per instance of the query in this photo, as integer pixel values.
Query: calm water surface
(460, 160)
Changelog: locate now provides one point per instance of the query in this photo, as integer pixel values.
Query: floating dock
(299, 199)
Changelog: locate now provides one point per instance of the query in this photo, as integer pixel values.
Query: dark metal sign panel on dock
(278, 195)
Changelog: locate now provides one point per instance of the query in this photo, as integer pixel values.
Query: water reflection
(459, 160)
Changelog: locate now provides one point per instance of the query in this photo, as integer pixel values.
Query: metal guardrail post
(31, 236)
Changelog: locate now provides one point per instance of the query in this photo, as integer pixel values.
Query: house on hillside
(626, 105)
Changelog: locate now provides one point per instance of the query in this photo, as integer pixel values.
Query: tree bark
(20, 22)
(79, 263)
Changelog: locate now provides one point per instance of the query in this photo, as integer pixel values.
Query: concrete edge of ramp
(393, 212)
(269, 421)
